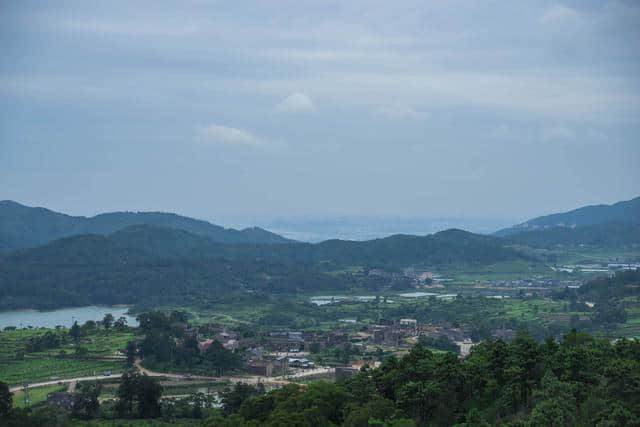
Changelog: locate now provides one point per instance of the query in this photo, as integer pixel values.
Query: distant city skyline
(289, 109)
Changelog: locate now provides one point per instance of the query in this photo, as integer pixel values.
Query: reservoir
(64, 317)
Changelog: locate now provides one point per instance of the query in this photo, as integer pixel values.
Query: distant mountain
(145, 264)
(625, 212)
(445, 247)
(22, 226)
(611, 234)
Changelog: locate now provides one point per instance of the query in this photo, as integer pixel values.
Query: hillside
(625, 211)
(23, 227)
(608, 235)
(162, 265)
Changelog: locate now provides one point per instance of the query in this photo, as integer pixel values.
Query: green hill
(626, 211)
(23, 227)
(145, 264)
(608, 235)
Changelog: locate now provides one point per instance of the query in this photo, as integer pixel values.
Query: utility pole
(25, 392)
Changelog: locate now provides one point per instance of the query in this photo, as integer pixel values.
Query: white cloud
(296, 103)
(398, 112)
(216, 134)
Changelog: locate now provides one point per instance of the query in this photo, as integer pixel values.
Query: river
(64, 316)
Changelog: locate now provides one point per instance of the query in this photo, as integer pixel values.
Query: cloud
(296, 103)
(225, 135)
(398, 112)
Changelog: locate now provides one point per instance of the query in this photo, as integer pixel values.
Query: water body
(64, 317)
(328, 299)
(417, 294)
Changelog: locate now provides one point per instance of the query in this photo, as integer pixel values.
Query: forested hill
(148, 263)
(23, 226)
(626, 212)
(608, 235)
(445, 247)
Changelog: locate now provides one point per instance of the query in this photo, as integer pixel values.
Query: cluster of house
(535, 283)
(418, 277)
(278, 352)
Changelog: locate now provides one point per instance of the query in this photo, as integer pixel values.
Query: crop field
(17, 366)
(44, 368)
(511, 270)
(13, 341)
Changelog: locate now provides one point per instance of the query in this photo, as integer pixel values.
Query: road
(251, 379)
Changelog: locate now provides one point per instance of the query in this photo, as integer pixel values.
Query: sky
(320, 108)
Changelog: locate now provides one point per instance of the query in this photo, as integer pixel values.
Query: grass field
(36, 395)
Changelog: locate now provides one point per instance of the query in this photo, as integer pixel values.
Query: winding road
(250, 379)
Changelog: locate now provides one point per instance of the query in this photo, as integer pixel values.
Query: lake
(64, 317)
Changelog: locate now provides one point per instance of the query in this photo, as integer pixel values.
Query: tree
(144, 390)
(6, 400)
(130, 352)
(86, 404)
(220, 358)
(107, 320)
(559, 405)
(148, 392)
(232, 398)
(75, 332)
(126, 392)
(120, 324)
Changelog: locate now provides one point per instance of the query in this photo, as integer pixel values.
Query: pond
(417, 294)
(64, 316)
(328, 299)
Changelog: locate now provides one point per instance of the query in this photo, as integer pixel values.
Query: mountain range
(23, 226)
(142, 264)
(54, 260)
(622, 212)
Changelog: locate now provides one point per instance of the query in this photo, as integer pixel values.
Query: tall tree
(107, 320)
(6, 400)
(148, 391)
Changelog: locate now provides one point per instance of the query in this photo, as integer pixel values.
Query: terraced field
(17, 366)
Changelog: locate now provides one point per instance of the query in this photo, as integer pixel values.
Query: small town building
(61, 400)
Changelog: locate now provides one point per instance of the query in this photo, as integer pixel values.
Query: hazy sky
(417, 108)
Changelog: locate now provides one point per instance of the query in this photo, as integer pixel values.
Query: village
(286, 352)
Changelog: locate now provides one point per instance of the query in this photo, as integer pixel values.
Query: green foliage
(160, 265)
(22, 226)
(86, 405)
(580, 380)
(142, 390)
(608, 235)
(6, 400)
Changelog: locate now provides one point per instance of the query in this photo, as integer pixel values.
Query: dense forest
(578, 381)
